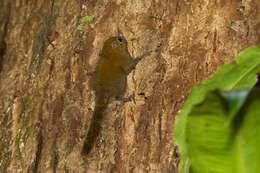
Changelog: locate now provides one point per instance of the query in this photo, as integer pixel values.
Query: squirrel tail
(95, 127)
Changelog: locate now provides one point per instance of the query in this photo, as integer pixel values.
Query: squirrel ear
(119, 33)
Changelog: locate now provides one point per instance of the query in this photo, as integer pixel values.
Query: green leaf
(214, 146)
(84, 21)
(241, 74)
(234, 102)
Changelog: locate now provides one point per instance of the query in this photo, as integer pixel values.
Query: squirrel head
(115, 46)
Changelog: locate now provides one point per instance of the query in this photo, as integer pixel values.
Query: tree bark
(46, 67)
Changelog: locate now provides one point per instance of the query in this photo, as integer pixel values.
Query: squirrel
(110, 77)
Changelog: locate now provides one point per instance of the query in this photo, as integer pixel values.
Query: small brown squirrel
(113, 66)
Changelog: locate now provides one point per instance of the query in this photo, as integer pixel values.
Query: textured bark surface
(46, 100)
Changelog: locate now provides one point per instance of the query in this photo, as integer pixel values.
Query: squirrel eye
(120, 39)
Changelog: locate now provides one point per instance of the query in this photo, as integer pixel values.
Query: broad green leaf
(241, 74)
(234, 102)
(217, 147)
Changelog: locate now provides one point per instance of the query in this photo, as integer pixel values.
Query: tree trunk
(47, 64)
